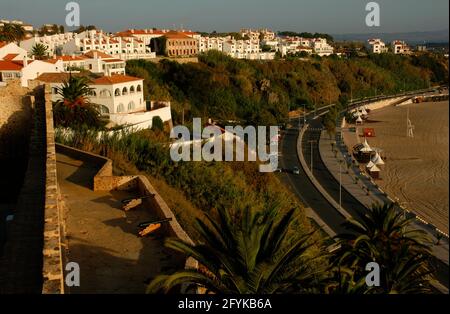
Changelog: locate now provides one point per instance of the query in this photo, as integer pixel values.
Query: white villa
(377, 46)
(120, 96)
(400, 47)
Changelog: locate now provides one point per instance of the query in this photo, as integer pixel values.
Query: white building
(377, 46)
(321, 47)
(120, 97)
(246, 49)
(400, 47)
(212, 43)
(53, 43)
(120, 47)
(26, 69)
(11, 51)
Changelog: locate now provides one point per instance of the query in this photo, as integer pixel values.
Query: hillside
(263, 92)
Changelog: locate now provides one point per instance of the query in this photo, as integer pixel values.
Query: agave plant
(251, 255)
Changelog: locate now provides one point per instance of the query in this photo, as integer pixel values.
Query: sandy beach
(416, 169)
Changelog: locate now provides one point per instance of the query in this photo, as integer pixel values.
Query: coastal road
(305, 190)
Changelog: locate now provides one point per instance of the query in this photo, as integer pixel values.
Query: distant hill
(441, 36)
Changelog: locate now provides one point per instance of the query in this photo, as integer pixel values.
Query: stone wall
(104, 180)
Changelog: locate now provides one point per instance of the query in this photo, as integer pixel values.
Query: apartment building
(53, 43)
(246, 49)
(212, 43)
(377, 46)
(180, 45)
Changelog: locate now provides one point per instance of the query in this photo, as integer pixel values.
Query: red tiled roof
(10, 56)
(67, 58)
(113, 60)
(90, 54)
(9, 66)
(115, 79)
(176, 35)
(3, 43)
(56, 77)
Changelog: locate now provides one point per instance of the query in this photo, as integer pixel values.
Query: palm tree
(384, 235)
(245, 256)
(39, 51)
(12, 33)
(74, 108)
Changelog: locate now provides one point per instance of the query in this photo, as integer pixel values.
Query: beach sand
(416, 170)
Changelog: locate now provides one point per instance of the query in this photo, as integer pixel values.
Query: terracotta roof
(56, 77)
(3, 43)
(113, 60)
(67, 58)
(176, 35)
(115, 79)
(10, 56)
(10, 66)
(90, 54)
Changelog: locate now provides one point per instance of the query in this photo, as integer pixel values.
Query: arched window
(131, 106)
(105, 93)
(92, 93)
(124, 91)
(104, 110)
(117, 92)
(120, 108)
(138, 88)
(131, 89)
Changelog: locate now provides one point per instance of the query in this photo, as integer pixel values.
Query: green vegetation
(248, 254)
(385, 236)
(12, 32)
(39, 51)
(328, 37)
(254, 92)
(73, 109)
(251, 235)
(253, 213)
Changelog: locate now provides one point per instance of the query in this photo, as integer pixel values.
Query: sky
(324, 16)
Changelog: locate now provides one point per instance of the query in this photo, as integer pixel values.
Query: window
(131, 89)
(117, 92)
(131, 106)
(54, 91)
(104, 110)
(120, 108)
(124, 91)
(105, 93)
(139, 88)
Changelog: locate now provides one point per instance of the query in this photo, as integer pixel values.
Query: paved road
(311, 197)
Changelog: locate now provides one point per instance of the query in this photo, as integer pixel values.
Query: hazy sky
(328, 16)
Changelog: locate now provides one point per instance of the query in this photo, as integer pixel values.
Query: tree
(383, 235)
(157, 124)
(74, 109)
(247, 255)
(39, 51)
(12, 32)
